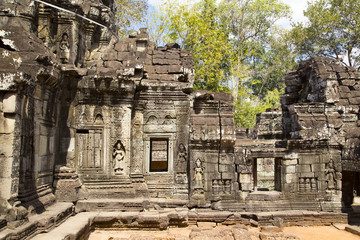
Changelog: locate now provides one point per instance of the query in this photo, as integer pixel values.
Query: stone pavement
(51, 218)
(80, 225)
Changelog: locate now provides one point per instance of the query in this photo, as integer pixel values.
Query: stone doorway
(350, 188)
(267, 174)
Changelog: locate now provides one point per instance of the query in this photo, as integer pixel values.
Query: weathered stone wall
(30, 85)
(322, 114)
(212, 169)
(317, 140)
(85, 115)
(321, 104)
(41, 48)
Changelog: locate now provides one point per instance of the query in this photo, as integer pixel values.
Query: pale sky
(297, 6)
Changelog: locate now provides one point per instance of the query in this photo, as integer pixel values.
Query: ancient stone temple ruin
(93, 123)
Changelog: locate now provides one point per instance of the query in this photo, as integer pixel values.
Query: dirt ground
(304, 233)
(321, 233)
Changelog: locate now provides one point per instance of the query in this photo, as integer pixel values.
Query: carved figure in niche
(338, 180)
(330, 175)
(118, 158)
(117, 114)
(193, 134)
(64, 48)
(204, 135)
(215, 186)
(198, 176)
(137, 122)
(182, 155)
(227, 186)
(105, 16)
(105, 34)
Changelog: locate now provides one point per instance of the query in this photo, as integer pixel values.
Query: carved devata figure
(181, 161)
(64, 48)
(330, 175)
(118, 158)
(198, 176)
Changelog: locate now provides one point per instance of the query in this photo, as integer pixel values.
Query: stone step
(76, 227)
(353, 229)
(268, 205)
(138, 204)
(50, 218)
(265, 196)
(80, 225)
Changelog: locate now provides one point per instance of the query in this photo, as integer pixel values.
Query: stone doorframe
(147, 142)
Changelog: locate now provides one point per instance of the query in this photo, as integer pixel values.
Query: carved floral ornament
(166, 118)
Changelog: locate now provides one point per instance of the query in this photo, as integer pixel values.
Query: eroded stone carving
(198, 176)
(330, 176)
(181, 159)
(118, 158)
(64, 48)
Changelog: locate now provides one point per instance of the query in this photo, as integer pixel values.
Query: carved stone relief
(198, 175)
(181, 159)
(152, 120)
(221, 186)
(117, 114)
(216, 187)
(118, 158)
(308, 184)
(137, 144)
(168, 119)
(330, 176)
(64, 47)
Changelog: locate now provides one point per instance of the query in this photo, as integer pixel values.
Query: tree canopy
(236, 48)
(128, 13)
(333, 30)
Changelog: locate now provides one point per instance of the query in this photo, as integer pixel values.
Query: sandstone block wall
(212, 140)
(87, 116)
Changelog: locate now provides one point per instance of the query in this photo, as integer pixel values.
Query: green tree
(196, 27)
(261, 50)
(270, 64)
(235, 46)
(257, 42)
(129, 13)
(333, 30)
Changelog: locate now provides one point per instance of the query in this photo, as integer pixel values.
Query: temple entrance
(267, 174)
(350, 188)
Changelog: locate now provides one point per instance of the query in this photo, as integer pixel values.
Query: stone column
(9, 153)
(136, 165)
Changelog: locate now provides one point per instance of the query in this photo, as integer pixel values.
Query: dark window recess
(82, 131)
(159, 155)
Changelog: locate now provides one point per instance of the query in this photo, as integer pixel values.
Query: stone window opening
(159, 155)
(267, 174)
